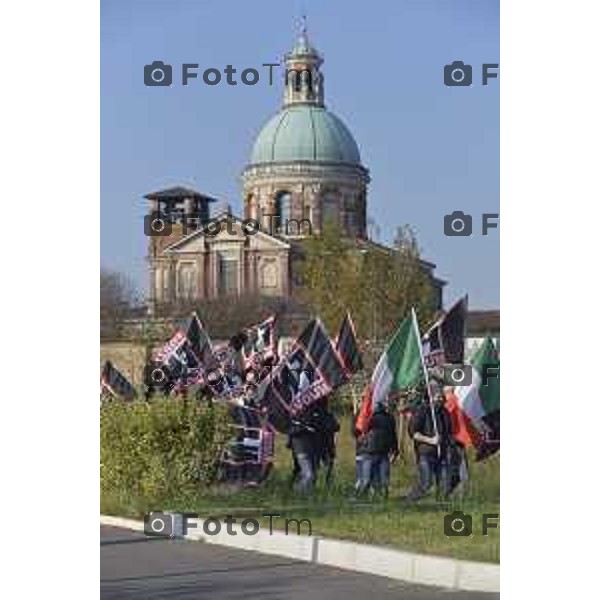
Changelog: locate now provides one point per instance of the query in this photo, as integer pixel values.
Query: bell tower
(303, 79)
(173, 214)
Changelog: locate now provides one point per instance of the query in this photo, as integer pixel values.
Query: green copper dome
(305, 132)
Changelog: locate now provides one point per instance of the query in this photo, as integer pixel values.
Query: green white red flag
(399, 367)
(480, 401)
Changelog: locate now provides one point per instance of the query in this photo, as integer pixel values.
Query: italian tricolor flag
(399, 367)
(480, 401)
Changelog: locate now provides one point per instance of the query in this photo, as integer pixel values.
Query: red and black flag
(115, 383)
(175, 363)
(347, 346)
(444, 341)
(183, 360)
(310, 371)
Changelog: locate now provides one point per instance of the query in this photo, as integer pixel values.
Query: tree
(377, 284)
(118, 298)
(328, 275)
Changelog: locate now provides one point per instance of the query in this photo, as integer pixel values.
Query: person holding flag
(464, 435)
(431, 430)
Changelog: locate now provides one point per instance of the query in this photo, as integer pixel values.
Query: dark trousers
(304, 467)
(372, 471)
(431, 469)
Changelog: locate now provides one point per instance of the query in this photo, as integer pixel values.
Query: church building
(304, 168)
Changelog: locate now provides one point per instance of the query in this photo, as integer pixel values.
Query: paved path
(135, 568)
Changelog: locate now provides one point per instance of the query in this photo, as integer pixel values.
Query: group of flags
(284, 386)
(316, 365)
(410, 361)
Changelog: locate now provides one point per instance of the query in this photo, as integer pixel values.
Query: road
(133, 567)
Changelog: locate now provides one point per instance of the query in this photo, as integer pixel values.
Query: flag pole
(435, 427)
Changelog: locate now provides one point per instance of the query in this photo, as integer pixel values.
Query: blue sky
(430, 149)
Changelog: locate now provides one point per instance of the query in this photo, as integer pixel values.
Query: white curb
(376, 560)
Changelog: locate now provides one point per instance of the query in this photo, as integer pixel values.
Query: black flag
(200, 342)
(444, 342)
(310, 371)
(347, 346)
(115, 383)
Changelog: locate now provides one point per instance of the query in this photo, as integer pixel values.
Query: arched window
(283, 208)
(351, 217)
(330, 208)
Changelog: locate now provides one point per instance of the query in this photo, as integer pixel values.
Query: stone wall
(128, 357)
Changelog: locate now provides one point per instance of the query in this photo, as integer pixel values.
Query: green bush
(153, 451)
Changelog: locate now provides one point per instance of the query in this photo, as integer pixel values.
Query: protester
(432, 443)
(463, 435)
(302, 443)
(363, 465)
(312, 441)
(379, 447)
(327, 427)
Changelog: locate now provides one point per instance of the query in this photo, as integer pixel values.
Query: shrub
(153, 451)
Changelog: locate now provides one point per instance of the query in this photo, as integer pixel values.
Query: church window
(269, 275)
(228, 275)
(187, 281)
(283, 208)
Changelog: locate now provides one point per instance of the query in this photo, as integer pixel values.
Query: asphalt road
(133, 567)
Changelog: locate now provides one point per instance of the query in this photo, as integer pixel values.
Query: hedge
(153, 451)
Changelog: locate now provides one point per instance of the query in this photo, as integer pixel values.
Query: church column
(214, 271)
(315, 203)
(241, 287)
(298, 202)
(200, 275)
(268, 224)
(157, 284)
(152, 290)
(251, 257)
(170, 287)
(362, 213)
(284, 274)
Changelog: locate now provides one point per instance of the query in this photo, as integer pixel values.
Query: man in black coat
(312, 441)
(432, 446)
(378, 449)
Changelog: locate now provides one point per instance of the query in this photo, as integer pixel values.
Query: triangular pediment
(218, 232)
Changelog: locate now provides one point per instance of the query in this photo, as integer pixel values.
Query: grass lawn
(418, 527)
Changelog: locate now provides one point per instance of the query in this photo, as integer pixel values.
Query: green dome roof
(305, 132)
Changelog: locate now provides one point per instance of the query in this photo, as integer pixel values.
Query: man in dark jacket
(432, 445)
(378, 447)
(302, 443)
(312, 441)
(327, 427)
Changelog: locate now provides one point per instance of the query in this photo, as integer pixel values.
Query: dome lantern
(303, 78)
